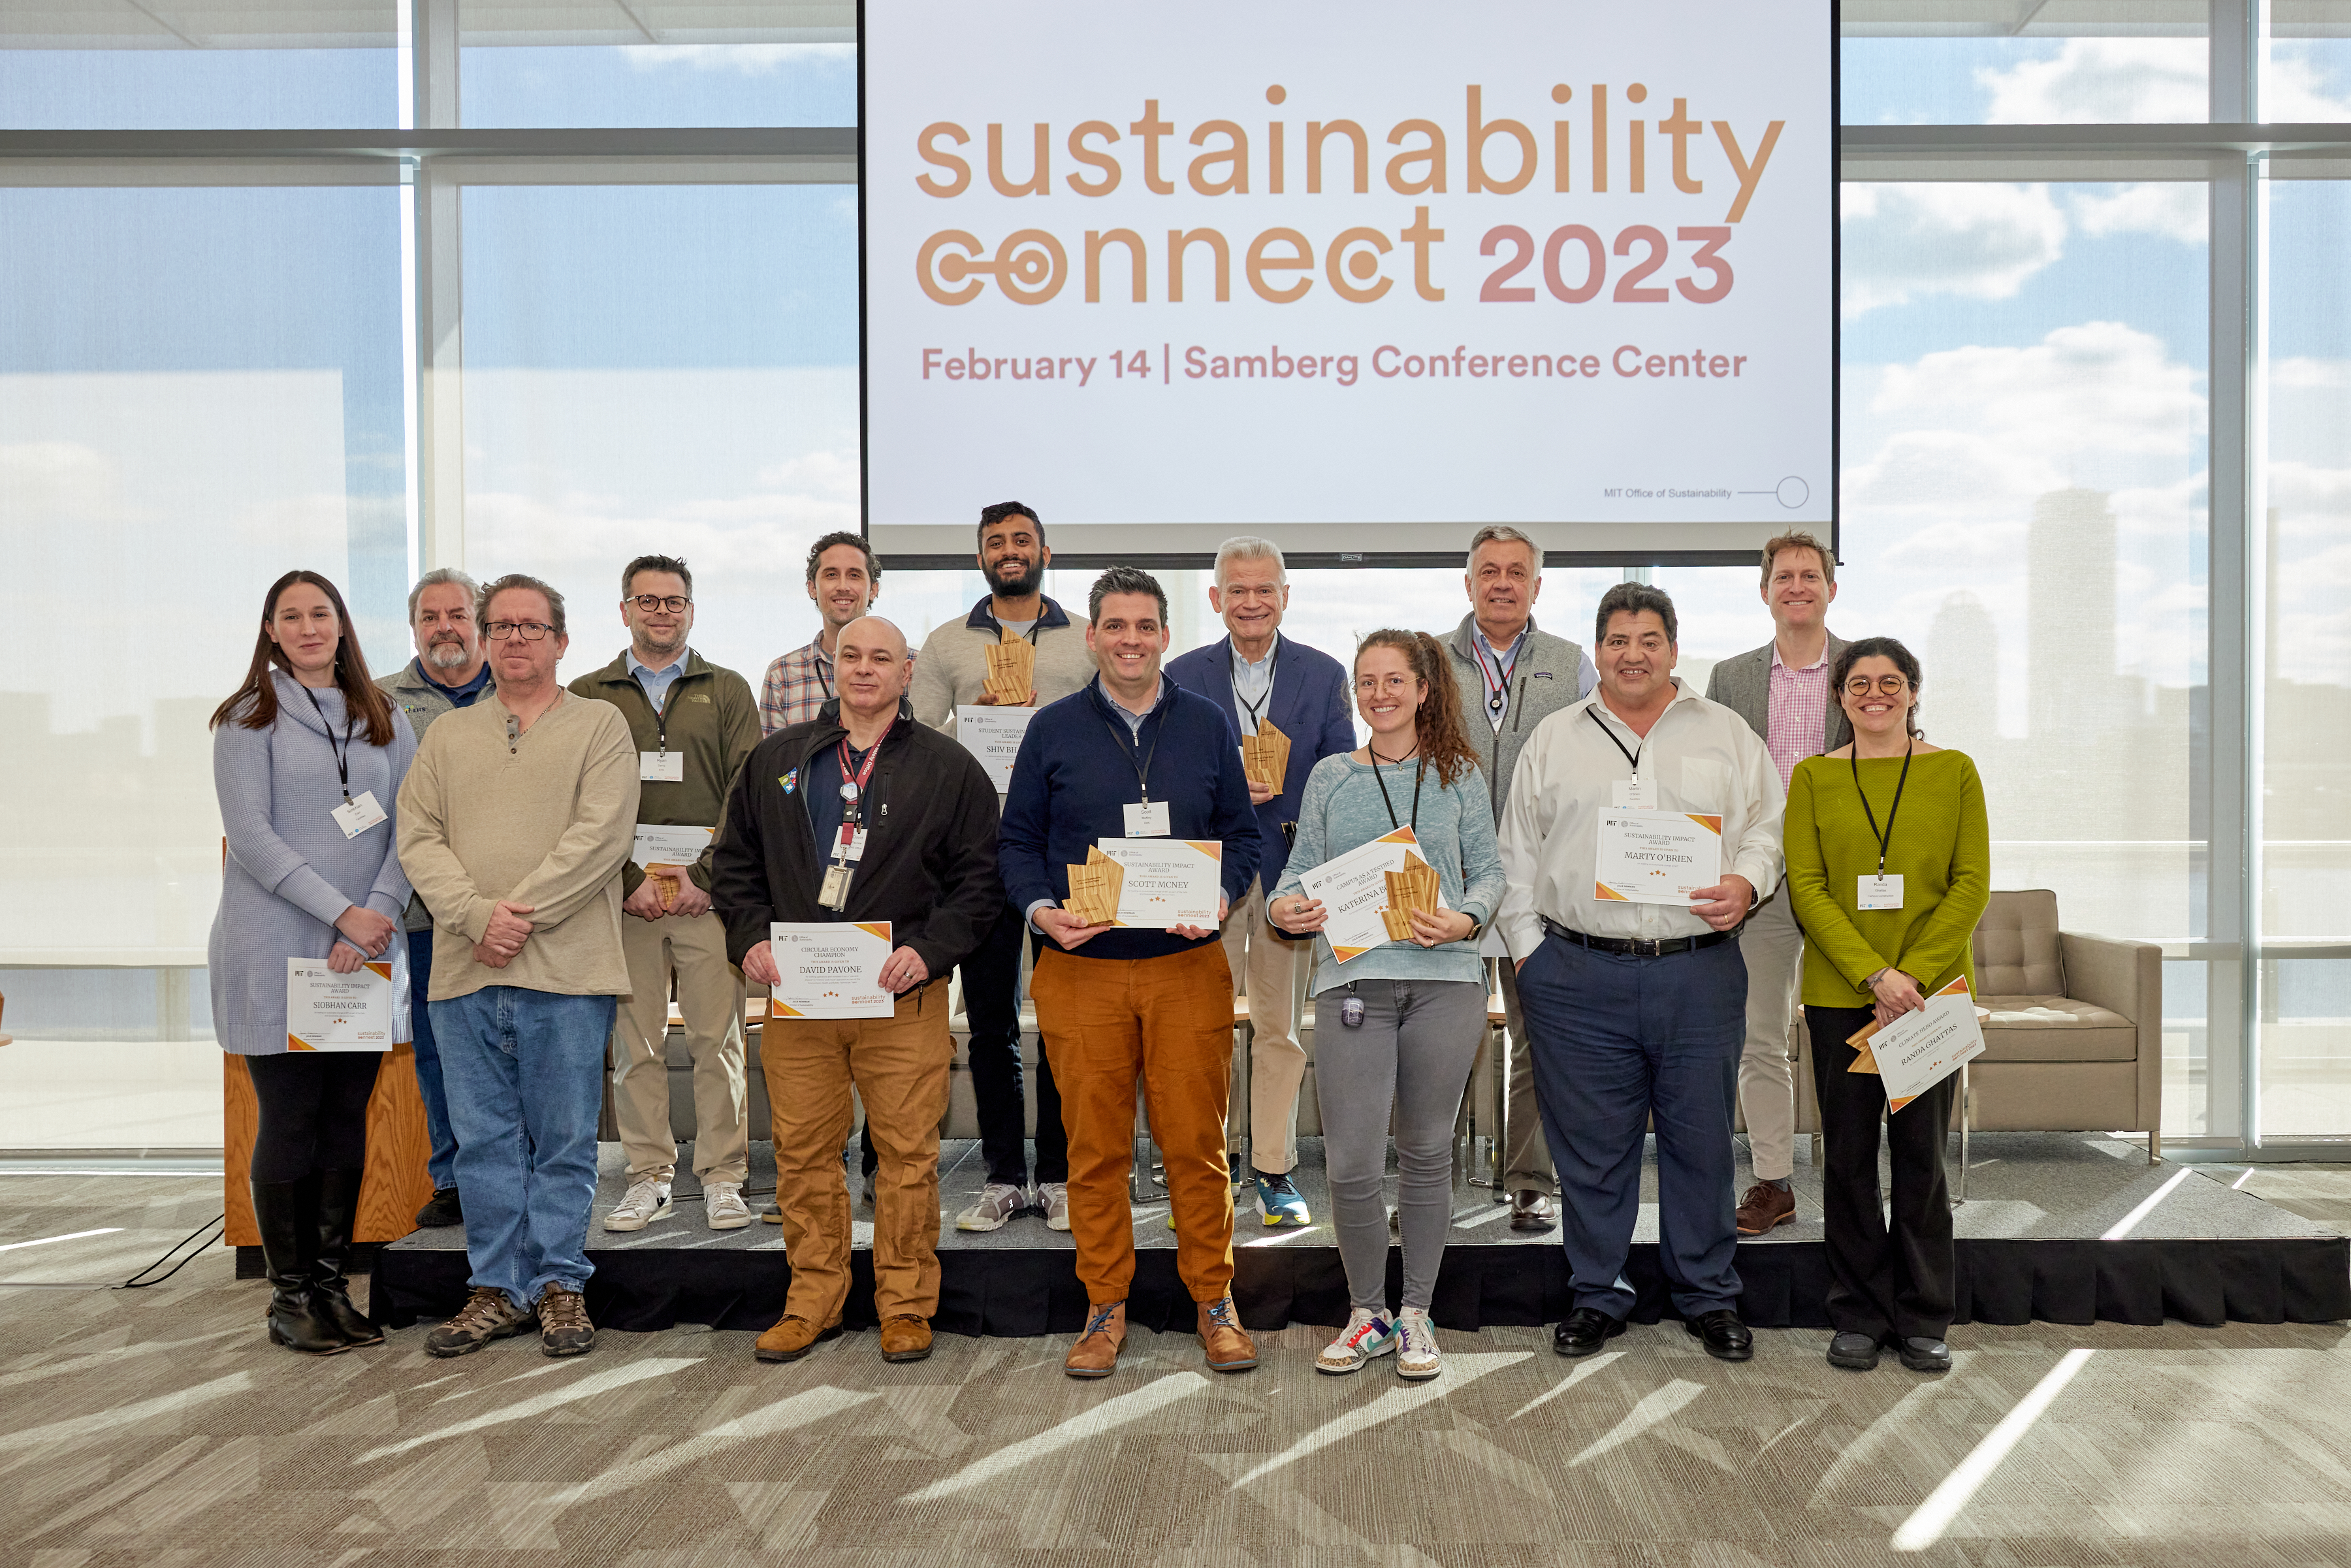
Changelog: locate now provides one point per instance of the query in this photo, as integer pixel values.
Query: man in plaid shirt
(843, 580)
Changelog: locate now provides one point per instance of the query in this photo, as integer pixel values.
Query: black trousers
(313, 1111)
(1886, 1283)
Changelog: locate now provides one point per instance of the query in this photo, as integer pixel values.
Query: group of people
(504, 820)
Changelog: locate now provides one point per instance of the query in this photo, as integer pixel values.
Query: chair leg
(2154, 1147)
(1966, 1125)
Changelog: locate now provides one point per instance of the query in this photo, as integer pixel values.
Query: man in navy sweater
(1134, 755)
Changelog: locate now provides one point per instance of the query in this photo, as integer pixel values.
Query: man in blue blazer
(1253, 673)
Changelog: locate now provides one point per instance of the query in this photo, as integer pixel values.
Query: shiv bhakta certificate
(1657, 857)
(363, 1011)
(1352, 889)
(993, 734)
(830, 969)
(1168, 882)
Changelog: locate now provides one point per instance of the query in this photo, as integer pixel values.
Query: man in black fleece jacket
(912, 816)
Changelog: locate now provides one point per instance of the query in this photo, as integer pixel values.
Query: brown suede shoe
(1096, 1353)
(791, 1339)
(905, 1338)
(1763, 1207)
(1228, 1347)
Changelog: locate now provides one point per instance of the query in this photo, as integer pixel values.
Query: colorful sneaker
(998, 1201)
(1417, 1357)
(1278, 1199)
(645, 1202)
(1368, 1334)
(723, 1208)
(1053, 1197)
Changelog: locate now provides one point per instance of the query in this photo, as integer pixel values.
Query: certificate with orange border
(326, 1011)
(830, 969)
(1656, 857)
(1168, 882)
(1352, 889)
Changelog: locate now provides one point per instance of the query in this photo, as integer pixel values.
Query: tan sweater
(547, 822)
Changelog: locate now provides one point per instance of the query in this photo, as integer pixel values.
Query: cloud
(745, 60)
(2177, 210)
(2101, 386)
(1979, 241)
(2089, 82)
(2292, 91)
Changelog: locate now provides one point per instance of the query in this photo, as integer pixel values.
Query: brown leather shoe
(905, 1338)
(791, 1339)
(1228, 1347)
(1763, 1207)
(1096, 1353)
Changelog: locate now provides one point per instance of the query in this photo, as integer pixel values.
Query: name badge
(358, 815)
(851, 847)
(1147, 819)
(1631, 795)
(1879, 893)
(662, 766)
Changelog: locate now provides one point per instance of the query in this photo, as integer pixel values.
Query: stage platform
(2061, 1227)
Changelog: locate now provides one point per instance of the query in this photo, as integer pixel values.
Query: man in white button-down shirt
(1638, 1010)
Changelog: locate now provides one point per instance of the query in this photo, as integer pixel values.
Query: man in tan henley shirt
(515, 822)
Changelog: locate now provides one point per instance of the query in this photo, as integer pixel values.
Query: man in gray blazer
(1513, 676)
(1783, 690)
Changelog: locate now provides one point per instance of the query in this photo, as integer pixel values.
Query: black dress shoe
(442, 1210)
(1585, 1330)
(1853, 1351)
(1725, 1338)
(1925, 1355)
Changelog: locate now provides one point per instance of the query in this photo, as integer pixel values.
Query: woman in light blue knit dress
(308, 759)
(1398, 1026)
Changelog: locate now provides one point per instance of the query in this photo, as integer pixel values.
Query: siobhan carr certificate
(357, 1011)
(1168, 882)
(830, 969)
(1657, 857)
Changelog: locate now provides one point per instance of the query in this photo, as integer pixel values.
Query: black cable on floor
(217, 1224)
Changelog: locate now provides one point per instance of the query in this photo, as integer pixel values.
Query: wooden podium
(398, 1148)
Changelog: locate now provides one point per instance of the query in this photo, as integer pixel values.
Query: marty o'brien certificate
(830, 969)
(1657, 857)
(326, 1011)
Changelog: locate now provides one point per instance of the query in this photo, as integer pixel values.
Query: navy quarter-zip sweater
(1075, 776)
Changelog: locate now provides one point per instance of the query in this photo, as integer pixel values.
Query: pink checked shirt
(1799, 713)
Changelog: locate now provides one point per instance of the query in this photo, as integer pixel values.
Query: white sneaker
(723, 1205)
(998, 1201)
(1417, 1357)
(1368, 1334)
(1054, 1197)
(647, 1201)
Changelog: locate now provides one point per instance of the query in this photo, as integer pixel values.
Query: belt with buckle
(1639, 947)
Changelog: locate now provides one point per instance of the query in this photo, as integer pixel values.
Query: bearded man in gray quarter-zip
(1513, 677)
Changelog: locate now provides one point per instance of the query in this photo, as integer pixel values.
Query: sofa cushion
(2016, 946)
(2040, 1028)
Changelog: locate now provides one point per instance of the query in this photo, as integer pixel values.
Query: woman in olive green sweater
(1893, 823)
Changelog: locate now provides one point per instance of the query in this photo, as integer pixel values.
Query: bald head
(875, 631)
(870, 670)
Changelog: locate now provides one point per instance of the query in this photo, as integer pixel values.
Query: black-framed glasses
(529, 631)
(1889, 685)
(675, 603)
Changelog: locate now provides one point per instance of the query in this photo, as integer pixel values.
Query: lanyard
(1418, 775)
(1497, 681)
(1142, 769)
(823, 681)
(853, 789)
(342, 752)
(1886, 837)
(1632, 757)
(660, 709)
(1273, 664)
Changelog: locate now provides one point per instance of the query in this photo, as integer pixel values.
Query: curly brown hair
(1444, 744)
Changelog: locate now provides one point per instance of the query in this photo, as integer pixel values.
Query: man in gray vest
(1781, 690)
(1513, 677)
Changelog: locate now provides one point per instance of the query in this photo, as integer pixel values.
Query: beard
(1015, 580)
(447, 655)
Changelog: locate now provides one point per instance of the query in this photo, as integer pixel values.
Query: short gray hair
(434, 578)
(515, 580)
(1500, 534)
(1249, 547)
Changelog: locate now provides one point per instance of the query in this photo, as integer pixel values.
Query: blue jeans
(1616, 1041)
(442, 1164)
(525, 1072)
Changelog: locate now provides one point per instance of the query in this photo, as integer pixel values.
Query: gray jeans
(1413, 1052)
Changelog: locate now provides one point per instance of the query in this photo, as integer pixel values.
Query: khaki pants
(1277, 1062)
(1168, 1023)
(1773, 947)
(710, 995)
(898, 1066)
(1526, 1152)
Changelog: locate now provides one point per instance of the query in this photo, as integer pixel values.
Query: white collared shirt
(1252, 682)
(1698, 757)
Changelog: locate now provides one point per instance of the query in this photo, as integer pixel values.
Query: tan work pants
(1773, 947)
(710, 995)
(1277, 1062)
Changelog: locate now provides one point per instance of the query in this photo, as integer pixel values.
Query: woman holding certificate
(308, 759)
(1400, 989)
(1889, 868)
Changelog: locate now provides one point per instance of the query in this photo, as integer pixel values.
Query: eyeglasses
(1891, 685)
(649, 603)
(529, 631)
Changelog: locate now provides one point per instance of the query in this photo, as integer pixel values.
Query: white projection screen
(1362, 278)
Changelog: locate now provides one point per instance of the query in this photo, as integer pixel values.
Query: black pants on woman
(313, 1111)
(1885, 1284)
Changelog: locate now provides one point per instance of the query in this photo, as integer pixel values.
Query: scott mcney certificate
(1168, 882)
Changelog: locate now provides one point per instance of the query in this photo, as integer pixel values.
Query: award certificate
(1920, 1049)
(993, 734)
(1657, 857)
(830, 969)
(1352, 889)
(670, 846)
(363, 1011)
(1168, 882)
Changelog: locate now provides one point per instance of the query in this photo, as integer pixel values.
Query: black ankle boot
(338, 1212)
(282, 1210)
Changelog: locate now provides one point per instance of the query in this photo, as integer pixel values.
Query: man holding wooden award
(1128, 838)
(1287, 704)
(856, 867)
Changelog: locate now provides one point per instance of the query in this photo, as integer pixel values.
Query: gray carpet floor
(156, 1428)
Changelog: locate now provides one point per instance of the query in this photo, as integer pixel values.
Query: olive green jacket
(712, 718)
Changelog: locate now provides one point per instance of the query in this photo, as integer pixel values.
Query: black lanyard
(1633, 757)
(1886, 837)
(342, 752)
(1142, 769)
(1419, 774)
(1498, 684)
(660, 709)
(1274, 665)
